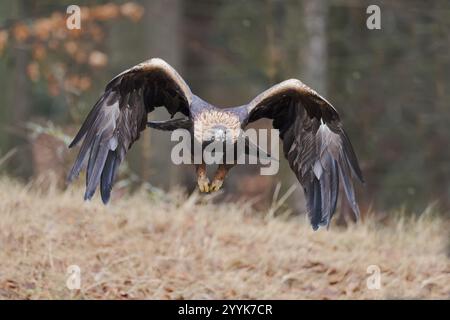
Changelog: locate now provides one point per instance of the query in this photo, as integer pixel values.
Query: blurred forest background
(391, 86)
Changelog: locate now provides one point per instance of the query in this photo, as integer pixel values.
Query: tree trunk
(313, 63)
(164, 41)
(314, 53)
(20, 102)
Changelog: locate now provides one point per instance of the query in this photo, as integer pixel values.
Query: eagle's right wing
(118, 117)
(314, 142)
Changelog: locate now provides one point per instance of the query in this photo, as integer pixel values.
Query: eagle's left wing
(314, 143)
(117, 119)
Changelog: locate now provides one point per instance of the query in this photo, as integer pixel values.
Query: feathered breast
(208, 119)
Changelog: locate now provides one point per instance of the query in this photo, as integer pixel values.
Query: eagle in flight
(315, 144)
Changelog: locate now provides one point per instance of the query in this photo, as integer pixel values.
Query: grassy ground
(179, 248)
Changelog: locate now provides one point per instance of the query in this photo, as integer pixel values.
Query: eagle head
(217, 126)
(217, 133)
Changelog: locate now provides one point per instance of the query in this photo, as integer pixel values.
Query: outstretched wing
(314, 142)
(118, 117)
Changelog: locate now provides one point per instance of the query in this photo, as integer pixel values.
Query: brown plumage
(314, 142)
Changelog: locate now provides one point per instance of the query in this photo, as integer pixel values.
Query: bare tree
(314, 50)
(312, 62)
(163, 40)
(20, 98)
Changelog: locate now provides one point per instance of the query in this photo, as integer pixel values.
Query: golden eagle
(315, 144)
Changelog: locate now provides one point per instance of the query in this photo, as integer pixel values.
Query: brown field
(180, 247)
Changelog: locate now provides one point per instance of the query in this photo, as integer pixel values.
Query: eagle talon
(215, 185)
(203, 184)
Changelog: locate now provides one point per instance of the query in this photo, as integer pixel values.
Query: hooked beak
(219, 135)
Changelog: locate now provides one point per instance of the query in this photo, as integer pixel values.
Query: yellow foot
(215, 185)
(203, 184)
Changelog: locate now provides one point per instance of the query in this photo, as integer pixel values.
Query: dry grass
(180, 248)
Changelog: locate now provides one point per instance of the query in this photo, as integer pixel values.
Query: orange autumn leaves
(58, 54)
(3, 40)
(55, 26)
(110, 11)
